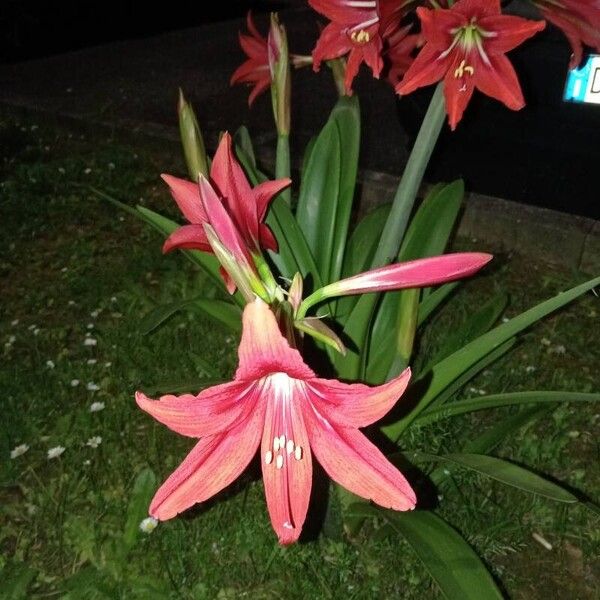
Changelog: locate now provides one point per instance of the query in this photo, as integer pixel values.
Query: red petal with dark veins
(355, 463)
(510, 32)
(213, 410)
(231, 181)
(186, 194)
(191, 237)
(214, 462)
(426, 69)
(263, 350)
(355, 404)
(500, 81)
(287, 469)
(332, 43)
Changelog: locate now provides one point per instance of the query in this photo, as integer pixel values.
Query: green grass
(71, 266)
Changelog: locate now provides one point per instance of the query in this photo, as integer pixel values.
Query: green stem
(282, 164)
(395, 227)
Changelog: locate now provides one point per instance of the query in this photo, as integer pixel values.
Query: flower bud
(191, 139)
(279, 65)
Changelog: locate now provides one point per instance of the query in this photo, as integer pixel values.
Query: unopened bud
(191, 139)
(279, 66)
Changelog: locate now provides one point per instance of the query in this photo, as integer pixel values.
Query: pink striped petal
(355, 463)
(355, 405)
(415, 273)
(263, 350)
(214, 462)
(213, 410)
(285, 457)
(187, 196)
(222, 222)
(265, 192)
(188, 236)
(233, 186)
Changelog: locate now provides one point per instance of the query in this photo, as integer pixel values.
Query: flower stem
(282, 163)
(409, 185)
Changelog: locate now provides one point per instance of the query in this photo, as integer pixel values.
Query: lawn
(78, 277)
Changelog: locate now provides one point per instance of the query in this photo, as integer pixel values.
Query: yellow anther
(462, 69)
(361, 37)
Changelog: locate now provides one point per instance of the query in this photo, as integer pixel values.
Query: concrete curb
(561, 239)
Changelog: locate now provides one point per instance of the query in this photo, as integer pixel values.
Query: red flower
(255, 70)
(276, 401)
(398, 52)
(466, 47)
(228, 204)
(579, 20)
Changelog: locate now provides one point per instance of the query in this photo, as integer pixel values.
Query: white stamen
(279, 461)
(268, 457)
(290, 446)
(298, 452)
(288, 525)
(276, 444)
(282, 441)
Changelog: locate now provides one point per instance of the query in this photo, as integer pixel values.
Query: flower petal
(355, 405)
(231, 181)
(263, 350)
(213, 410)
(355, 463)
(187, 196)
(214, 462)
(332, 43)
(187, 236)
(499, 80)
(264, 192)
(510, 32)
(426, 69)
(285, 457)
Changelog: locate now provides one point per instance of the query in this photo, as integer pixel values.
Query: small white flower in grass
(90, 341)
(64, 269)
(505, 319)
(71, 303)
(19, 450)
(87, 171)
(113, 299)
(92, 361)
(90, 326)
(11, 339)
(55, 452)
(148, 525)
(74, 382)
(111, 165)
(94, 442)
(545, 341)
(108, 364)
(50, 364)
(14, 322)
(97, 406)
(61, 170)
(36, 331)
(530, 369)
(94, 314)
(32, 327)
(560, 349)
(87, 462)
(92, 387)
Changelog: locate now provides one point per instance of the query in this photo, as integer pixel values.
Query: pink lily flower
(228, 204)
(277, 401)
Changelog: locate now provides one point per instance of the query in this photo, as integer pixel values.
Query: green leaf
(15, 579)
(451, 562)
(224, 312)
(427, 235)
(507, 473)
(346, 114)
(448, 370)
(434, 299)
(143, 490)
(465, 377)
(359, 253)
(319, 197)
(243, 143)
(462, 407)
(475, 325)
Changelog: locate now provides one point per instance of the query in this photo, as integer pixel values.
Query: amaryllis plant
(329, 307)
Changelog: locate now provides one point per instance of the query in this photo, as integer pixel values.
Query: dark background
(547, 154)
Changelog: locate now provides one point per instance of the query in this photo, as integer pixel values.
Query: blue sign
(583, 85)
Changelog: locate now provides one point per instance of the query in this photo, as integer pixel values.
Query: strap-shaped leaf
(451, 562)
(139, 500)
(434, 299)
(505, 472)
(462, 407)
(448, 370)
